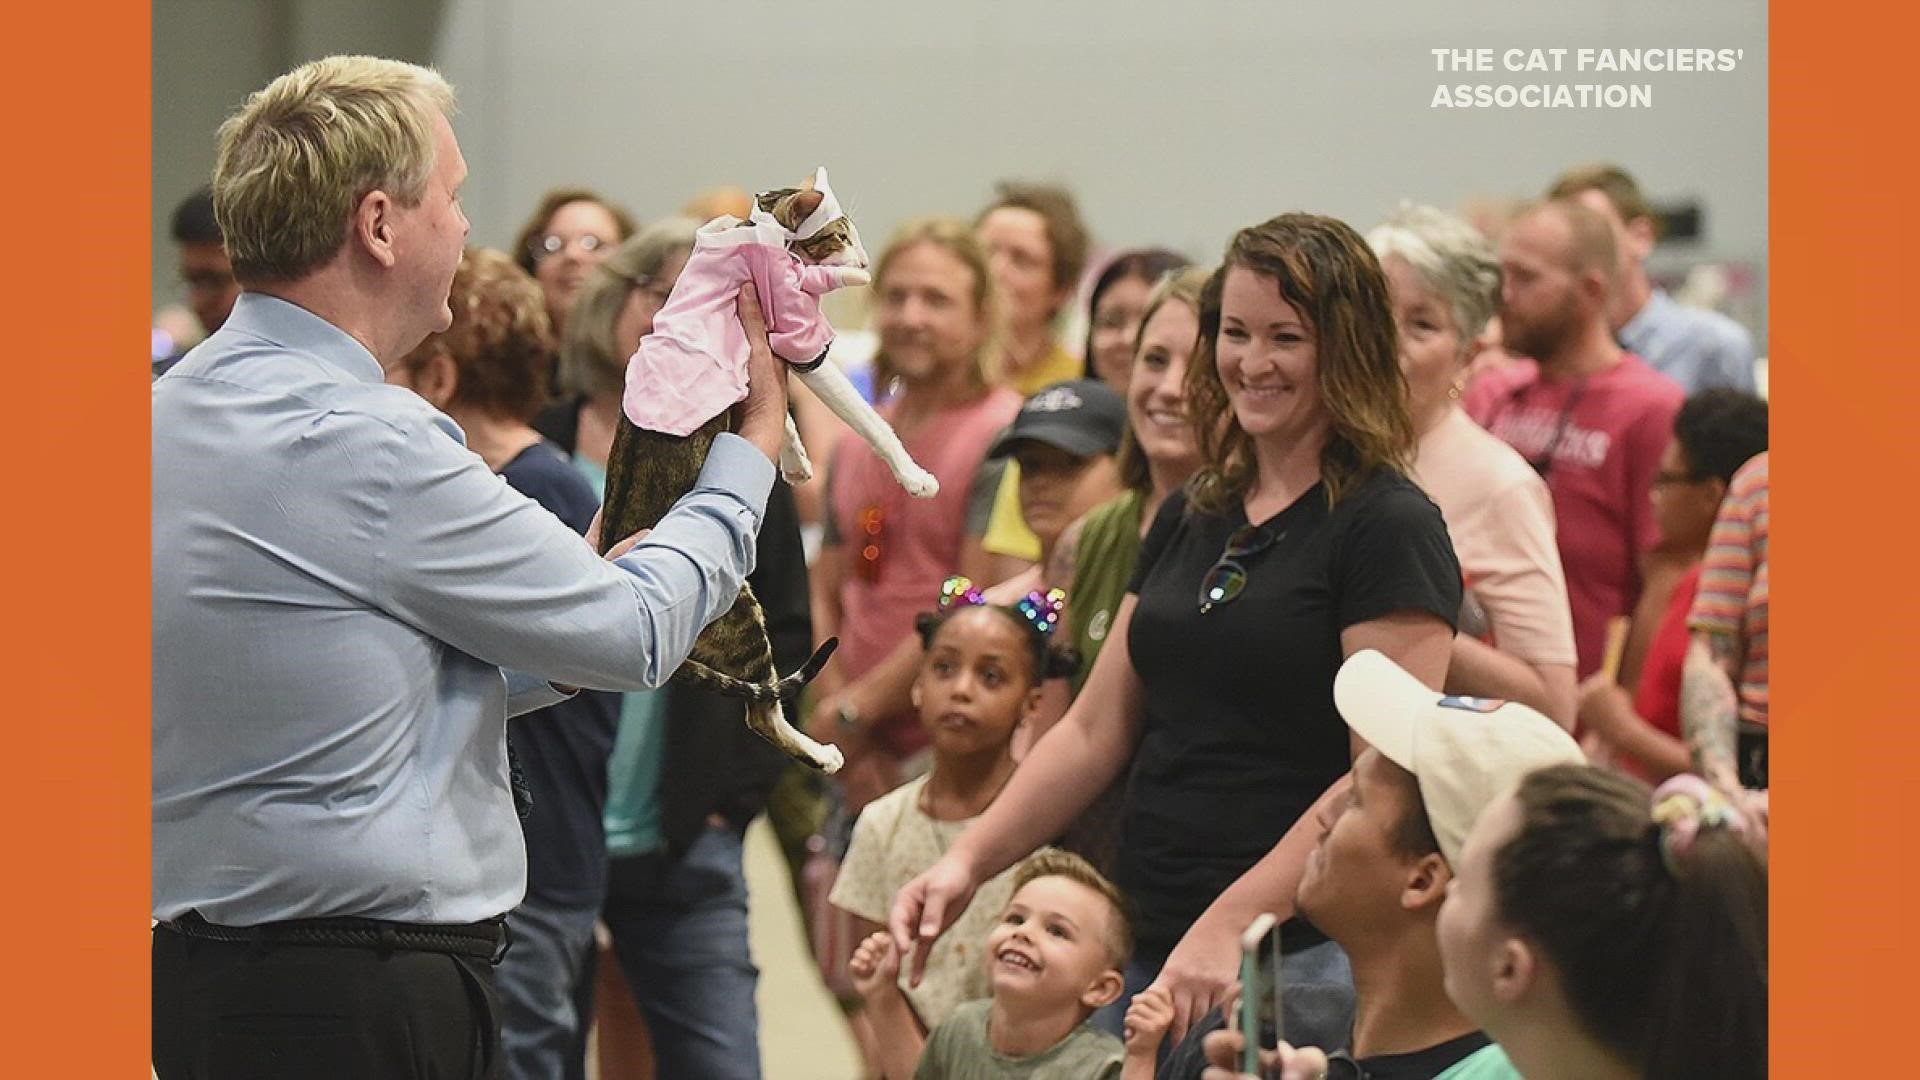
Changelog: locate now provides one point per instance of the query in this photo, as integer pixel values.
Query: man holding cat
(344, 597)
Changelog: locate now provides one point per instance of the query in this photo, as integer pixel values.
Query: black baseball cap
(1084, 417)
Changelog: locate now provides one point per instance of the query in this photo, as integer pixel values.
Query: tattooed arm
(1710, 706)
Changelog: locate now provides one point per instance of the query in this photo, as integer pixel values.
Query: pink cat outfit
(693, 366)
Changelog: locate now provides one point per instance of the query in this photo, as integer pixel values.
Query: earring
(1454, 391)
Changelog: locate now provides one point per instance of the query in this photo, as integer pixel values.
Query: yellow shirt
(1007, 532)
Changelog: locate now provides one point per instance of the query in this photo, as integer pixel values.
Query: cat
(683, 384)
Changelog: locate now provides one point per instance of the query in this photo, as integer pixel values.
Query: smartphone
(1260, 987)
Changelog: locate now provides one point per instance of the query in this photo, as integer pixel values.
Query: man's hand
(1148, 1018)
(926, 906)
(1198, 973)
(763, 416)
(875, 967)
(617, 550)
(1288, 1063)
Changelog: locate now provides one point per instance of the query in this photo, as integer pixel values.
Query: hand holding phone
(1260, 989)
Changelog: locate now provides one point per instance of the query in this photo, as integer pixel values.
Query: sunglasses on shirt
(1227, 579)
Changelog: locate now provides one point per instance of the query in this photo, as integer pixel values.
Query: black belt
(488, 940)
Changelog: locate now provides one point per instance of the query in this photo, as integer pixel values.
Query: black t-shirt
(1240, 733)
(562, 750)
(1189, 1060)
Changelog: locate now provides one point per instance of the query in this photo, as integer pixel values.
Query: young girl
(981, 678)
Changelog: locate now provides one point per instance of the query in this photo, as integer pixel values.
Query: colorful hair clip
(959, 589)
(1043, 609)
(1685, 804)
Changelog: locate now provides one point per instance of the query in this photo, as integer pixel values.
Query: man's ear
(371, 226)
(1104, 990)
(1641, 236)
(1426, 885)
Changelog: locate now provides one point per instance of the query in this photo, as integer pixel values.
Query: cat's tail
(697, 674)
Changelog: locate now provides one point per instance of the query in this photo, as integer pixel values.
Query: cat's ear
(797, 209)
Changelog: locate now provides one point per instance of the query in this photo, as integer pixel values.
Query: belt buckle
(506, 943)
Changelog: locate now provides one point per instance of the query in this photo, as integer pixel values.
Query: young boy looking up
(1054, 957)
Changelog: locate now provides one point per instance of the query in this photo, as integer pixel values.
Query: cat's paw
(919, 483)
(795, 466)
(853, 275)
(828, 759)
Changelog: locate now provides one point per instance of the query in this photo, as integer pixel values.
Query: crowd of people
(1402, 582)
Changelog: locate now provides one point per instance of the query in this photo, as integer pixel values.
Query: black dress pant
(242, 1012)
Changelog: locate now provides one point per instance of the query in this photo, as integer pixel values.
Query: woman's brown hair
(1326, 271)
(501, 340)
(1663, 959)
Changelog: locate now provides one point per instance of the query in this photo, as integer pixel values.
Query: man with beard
(1591, 418)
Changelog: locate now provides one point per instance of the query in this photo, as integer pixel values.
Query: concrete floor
(802, 1034)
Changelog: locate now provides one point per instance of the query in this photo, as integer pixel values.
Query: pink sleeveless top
(918, 540)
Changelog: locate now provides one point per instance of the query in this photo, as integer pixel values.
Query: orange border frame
(76, 912)
(1843, 240)
(74, 803)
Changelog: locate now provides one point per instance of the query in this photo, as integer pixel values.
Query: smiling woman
(1297, 401)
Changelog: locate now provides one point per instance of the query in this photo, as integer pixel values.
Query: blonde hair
(1054, 862)
(957, 238)
(590, 360)
(1181, 287)
(500, 342)
(299, 156)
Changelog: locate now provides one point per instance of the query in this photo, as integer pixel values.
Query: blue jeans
(541, 1029)
(680, 931)
(1317, 999)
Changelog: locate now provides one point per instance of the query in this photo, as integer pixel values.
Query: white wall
(1174, 122)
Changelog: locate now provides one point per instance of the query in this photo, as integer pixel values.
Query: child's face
(1057, 487)
(977, 682)
(1050, 946)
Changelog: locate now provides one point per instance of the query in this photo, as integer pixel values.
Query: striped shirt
(1733, 583)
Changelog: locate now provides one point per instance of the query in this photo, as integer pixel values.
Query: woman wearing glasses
(572, 231)
(1299, 542)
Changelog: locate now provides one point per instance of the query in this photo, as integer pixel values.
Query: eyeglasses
(553, 244)
(1228, 578)
(1667, 479)
(871, 522)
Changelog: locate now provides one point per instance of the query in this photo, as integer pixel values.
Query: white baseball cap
(1465, 752)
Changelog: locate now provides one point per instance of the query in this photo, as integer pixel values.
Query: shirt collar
(293, 327)
(1644, 320)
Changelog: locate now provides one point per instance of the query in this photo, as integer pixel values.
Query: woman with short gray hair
(1516, 632)
(614, 310)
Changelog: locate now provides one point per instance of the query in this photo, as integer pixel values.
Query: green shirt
(1109, 546)
(1486, 1063)
(959, 1050)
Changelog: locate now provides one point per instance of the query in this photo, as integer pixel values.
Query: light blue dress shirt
(1692, 346)
(338, 584)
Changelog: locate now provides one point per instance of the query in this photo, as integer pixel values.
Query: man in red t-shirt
(1590, 417)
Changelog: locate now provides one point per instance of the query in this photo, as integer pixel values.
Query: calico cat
(683, 384)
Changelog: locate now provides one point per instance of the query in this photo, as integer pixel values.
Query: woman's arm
(1607, 712)
(1200, 968)
(1480, 670)
(1059, 779)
